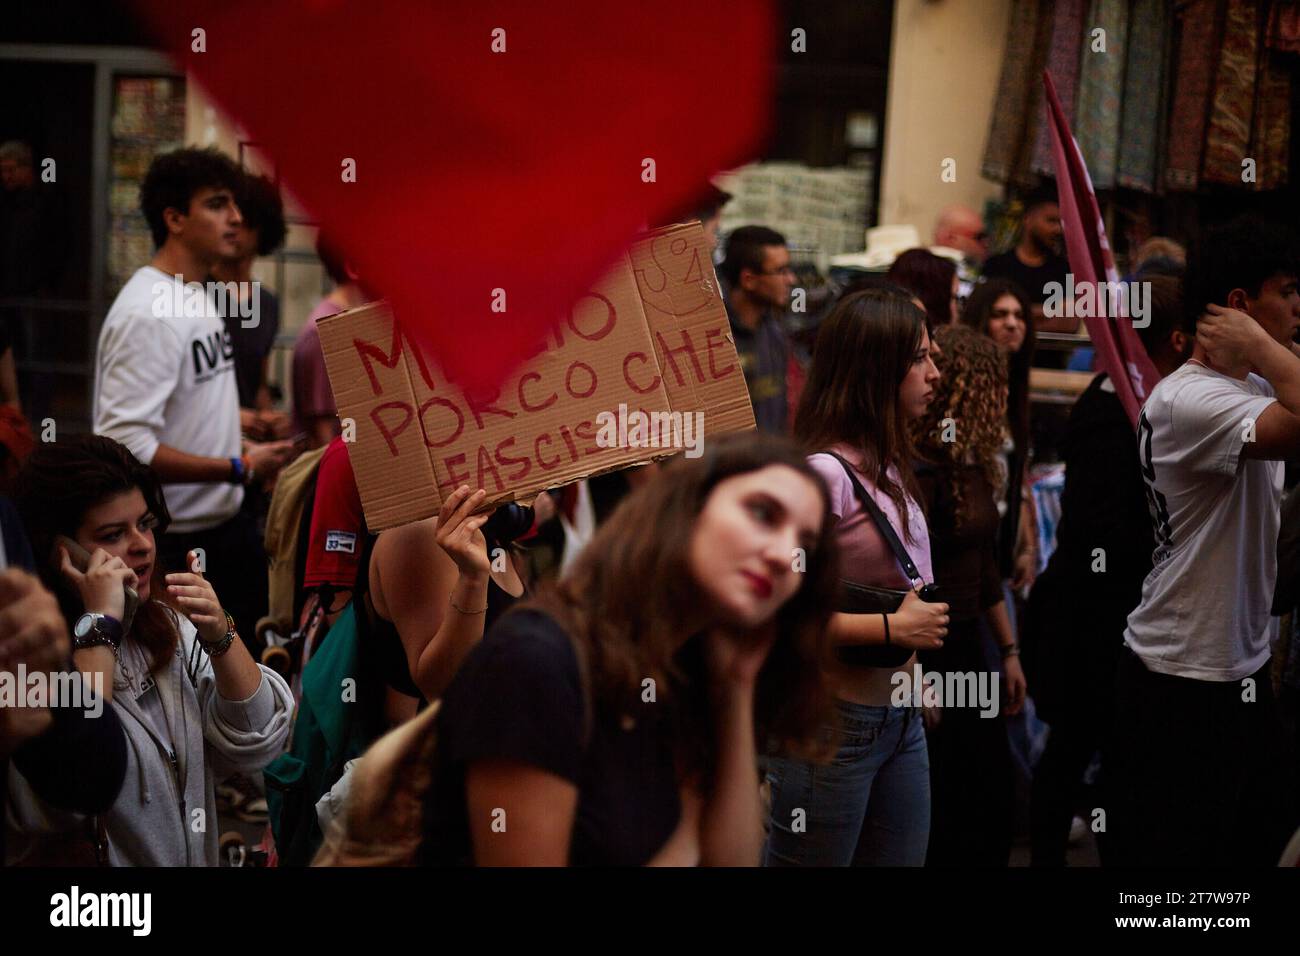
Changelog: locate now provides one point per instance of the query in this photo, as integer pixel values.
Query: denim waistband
(872, 713)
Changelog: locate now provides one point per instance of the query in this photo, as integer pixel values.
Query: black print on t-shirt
(210, 352)
(1155, 500)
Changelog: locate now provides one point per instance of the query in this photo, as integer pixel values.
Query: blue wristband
(236, 471)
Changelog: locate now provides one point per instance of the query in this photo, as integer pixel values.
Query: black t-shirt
(518, 697)
(381, 649)
(252, 345)
(1031, 279)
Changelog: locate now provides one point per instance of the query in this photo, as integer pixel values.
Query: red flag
(1119, 350)
(496, 146)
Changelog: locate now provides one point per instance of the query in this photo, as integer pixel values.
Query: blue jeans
(869, 807)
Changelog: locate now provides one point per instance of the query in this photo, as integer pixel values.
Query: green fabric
(1101, 87)
(327, 733)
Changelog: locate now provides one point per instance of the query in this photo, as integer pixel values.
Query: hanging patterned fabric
(1194, 76)
(1063, 62)
(1017, 111)
(1101, 83)
(1284, 26)
(1227, 137)
(1144, 85)
(1271, 135)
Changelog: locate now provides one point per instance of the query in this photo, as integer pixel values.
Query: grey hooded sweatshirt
(166, 813)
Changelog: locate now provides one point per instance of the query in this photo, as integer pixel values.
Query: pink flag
(1119, 350)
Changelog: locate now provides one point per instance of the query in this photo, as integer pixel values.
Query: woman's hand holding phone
(102, 584)
(199, 602)
(918, 624)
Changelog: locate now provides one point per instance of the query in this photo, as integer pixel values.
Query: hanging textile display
(1284, 26)
(1101, 82)
(1063, 64)
(1194, 76)
(1227, 137)
(1143, 104)
(1018, 109)
(1270, 144)
(1163, 95)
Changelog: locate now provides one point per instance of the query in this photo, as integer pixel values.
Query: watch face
(83, 625)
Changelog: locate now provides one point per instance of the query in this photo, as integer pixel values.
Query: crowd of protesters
(802, 648)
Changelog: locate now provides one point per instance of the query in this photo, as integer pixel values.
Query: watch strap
(105, 631)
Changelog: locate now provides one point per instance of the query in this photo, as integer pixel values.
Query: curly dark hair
(624, 602)
(262, 208)
(58, 483)
(972, 393)
(173, 179)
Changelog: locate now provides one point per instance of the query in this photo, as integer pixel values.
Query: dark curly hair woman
(959, 470)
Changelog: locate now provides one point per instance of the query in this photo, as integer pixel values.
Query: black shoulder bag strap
(882, 523)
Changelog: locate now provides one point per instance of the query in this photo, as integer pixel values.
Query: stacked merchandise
(821, 212)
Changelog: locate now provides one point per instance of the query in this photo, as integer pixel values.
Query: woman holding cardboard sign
(435, 586)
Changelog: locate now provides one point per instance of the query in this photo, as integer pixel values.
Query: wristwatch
(96, 630)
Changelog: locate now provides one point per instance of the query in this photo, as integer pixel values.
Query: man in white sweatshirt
(165, 381)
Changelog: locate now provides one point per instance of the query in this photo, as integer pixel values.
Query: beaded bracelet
(217, 648)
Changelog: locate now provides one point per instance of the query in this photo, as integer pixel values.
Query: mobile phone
(80, 559)
(931, 594)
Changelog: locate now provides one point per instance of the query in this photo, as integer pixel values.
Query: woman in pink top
(871, 375)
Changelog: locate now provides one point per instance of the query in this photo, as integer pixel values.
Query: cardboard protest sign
(643, 366)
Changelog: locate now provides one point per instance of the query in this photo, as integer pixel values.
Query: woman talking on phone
(193, 704)
(871, 375)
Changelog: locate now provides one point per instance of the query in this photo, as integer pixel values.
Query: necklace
(128, 679)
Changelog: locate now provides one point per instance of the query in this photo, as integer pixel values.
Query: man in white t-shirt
(1196, 774)
(165, 381)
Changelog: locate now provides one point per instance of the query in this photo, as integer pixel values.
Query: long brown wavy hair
(864, 350)
(61, 481)
(971, 398)
(626, 600)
